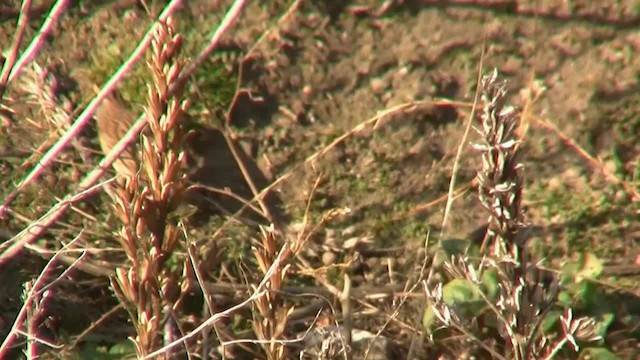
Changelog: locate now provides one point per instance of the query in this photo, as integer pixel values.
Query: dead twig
(10, 61)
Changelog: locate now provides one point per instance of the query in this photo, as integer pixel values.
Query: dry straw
(271, 319)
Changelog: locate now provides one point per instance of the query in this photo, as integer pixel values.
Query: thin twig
(347, 315)
(11, 247)
(373, 122)
(593, 162)
(9, 63)
(205, 54)
(451, 192)
(93, 326)
(30, 53)
(247, 177)
(461, 146)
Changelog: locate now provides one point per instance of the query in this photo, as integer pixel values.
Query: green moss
(586, 220)
(213, 85)
(109, 55)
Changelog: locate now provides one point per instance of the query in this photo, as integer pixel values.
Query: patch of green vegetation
(586, 218)
(358, 186)
(387, 230)
(91, 350)
(236, 239)
(213, 85)
(105, 60)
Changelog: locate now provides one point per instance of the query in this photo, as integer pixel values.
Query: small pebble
(378, 85)
(329, 258)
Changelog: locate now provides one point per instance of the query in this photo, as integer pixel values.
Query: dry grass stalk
(273, 314)
(500, 191)
(523, 296)
(13, 70)
(149, 288)
(44, 87)
(500, 181)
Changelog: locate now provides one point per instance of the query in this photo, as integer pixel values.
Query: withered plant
(524, 294)
(271, 317)
(149, 287)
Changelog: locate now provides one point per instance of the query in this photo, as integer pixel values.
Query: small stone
(329, 258)
(511, 66)
(378, 85)
(307, 91)
(350, 230)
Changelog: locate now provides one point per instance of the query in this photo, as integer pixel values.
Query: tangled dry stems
(271, 320)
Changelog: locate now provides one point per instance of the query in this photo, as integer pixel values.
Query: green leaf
(599, 353)
(586, 293)
(462, 297)
(603, 321)
(459, 291)
(428, 319)
(122, 350)
(591, 267)
(550, 321)
(565, 299)
(490, 282)
(454, 246)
